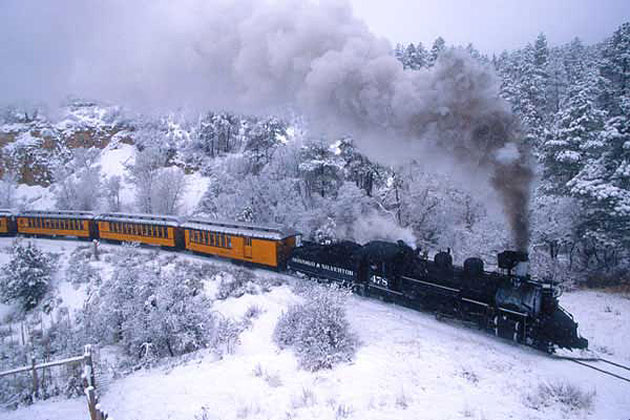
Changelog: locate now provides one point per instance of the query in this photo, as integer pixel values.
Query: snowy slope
(409, 366)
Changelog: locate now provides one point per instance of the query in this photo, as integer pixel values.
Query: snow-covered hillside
(409, 365)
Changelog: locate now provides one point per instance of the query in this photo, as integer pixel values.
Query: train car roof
(139, 218)
(58, 214)
(273, 232)
(6, 212)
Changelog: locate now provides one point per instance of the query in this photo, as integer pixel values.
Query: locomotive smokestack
(515, 262)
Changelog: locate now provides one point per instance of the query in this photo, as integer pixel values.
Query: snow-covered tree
(616, 67)
(25, 279)
(143, 173)
(112, 188)
(78, 183)
(603, 185)
(262, 140)
(152, 313)
(320, 168)
(168, 190)
(8, 190)
(558, 81)
(576, 137)
(438, 47)
(317, 330)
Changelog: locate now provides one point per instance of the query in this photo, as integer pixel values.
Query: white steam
(376, 227)
(261, 56)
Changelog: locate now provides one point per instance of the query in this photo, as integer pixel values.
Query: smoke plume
(263, 56)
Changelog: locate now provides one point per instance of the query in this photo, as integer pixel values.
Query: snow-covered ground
(409, 366)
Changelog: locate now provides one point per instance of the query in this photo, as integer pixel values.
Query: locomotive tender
(509, 304)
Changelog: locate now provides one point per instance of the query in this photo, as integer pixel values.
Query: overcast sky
(492, 25)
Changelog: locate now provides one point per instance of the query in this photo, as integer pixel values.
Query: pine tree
(575, 140)
(604, 185)
(439, 45)
(422, 56)
(26, 277)
(321, 169)
(557, 85)
(616, 68)
(399, 52)
(409, 58)
(530, 105)
(617, 53)
(470, 49)
(574, 60)
(541, 63)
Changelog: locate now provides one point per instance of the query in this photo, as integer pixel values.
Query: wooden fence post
(88, 371)
(34, 373)
(95, 249)
(90, 393)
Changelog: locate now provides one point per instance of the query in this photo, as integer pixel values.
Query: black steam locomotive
(509, 304)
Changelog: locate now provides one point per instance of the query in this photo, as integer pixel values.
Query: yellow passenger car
(55, 223)
(143, 228)
(5, 220)
(269, 246)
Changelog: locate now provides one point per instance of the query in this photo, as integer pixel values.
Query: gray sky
(492, 25)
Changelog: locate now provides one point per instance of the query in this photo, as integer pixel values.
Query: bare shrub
(241, 283)
(227, 334)
(306, 398)
(402, 400)
(253, 312)
(204, 414)
(244, 411)
(257, 371)
(469, 375)
(244, 282)
(82, 272)
(343, 411)
(273, 379)
(568, 395)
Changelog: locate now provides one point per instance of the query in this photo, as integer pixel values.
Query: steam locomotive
(509, 303)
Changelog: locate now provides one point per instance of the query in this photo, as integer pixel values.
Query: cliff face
(34, 146)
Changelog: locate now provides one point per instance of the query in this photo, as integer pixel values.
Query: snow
(35, 197)
(409, 365)
(113, 160)
(5, 310)
(238, 228)
(72, 297)
(195, 187)
(139, 218)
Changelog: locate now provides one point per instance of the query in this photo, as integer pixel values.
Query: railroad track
(617, 370)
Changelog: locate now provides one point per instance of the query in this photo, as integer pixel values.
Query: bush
(318, 330)
(152, 313)
(569, 396)
(26, 278)
(82, 272)
(243, 282)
